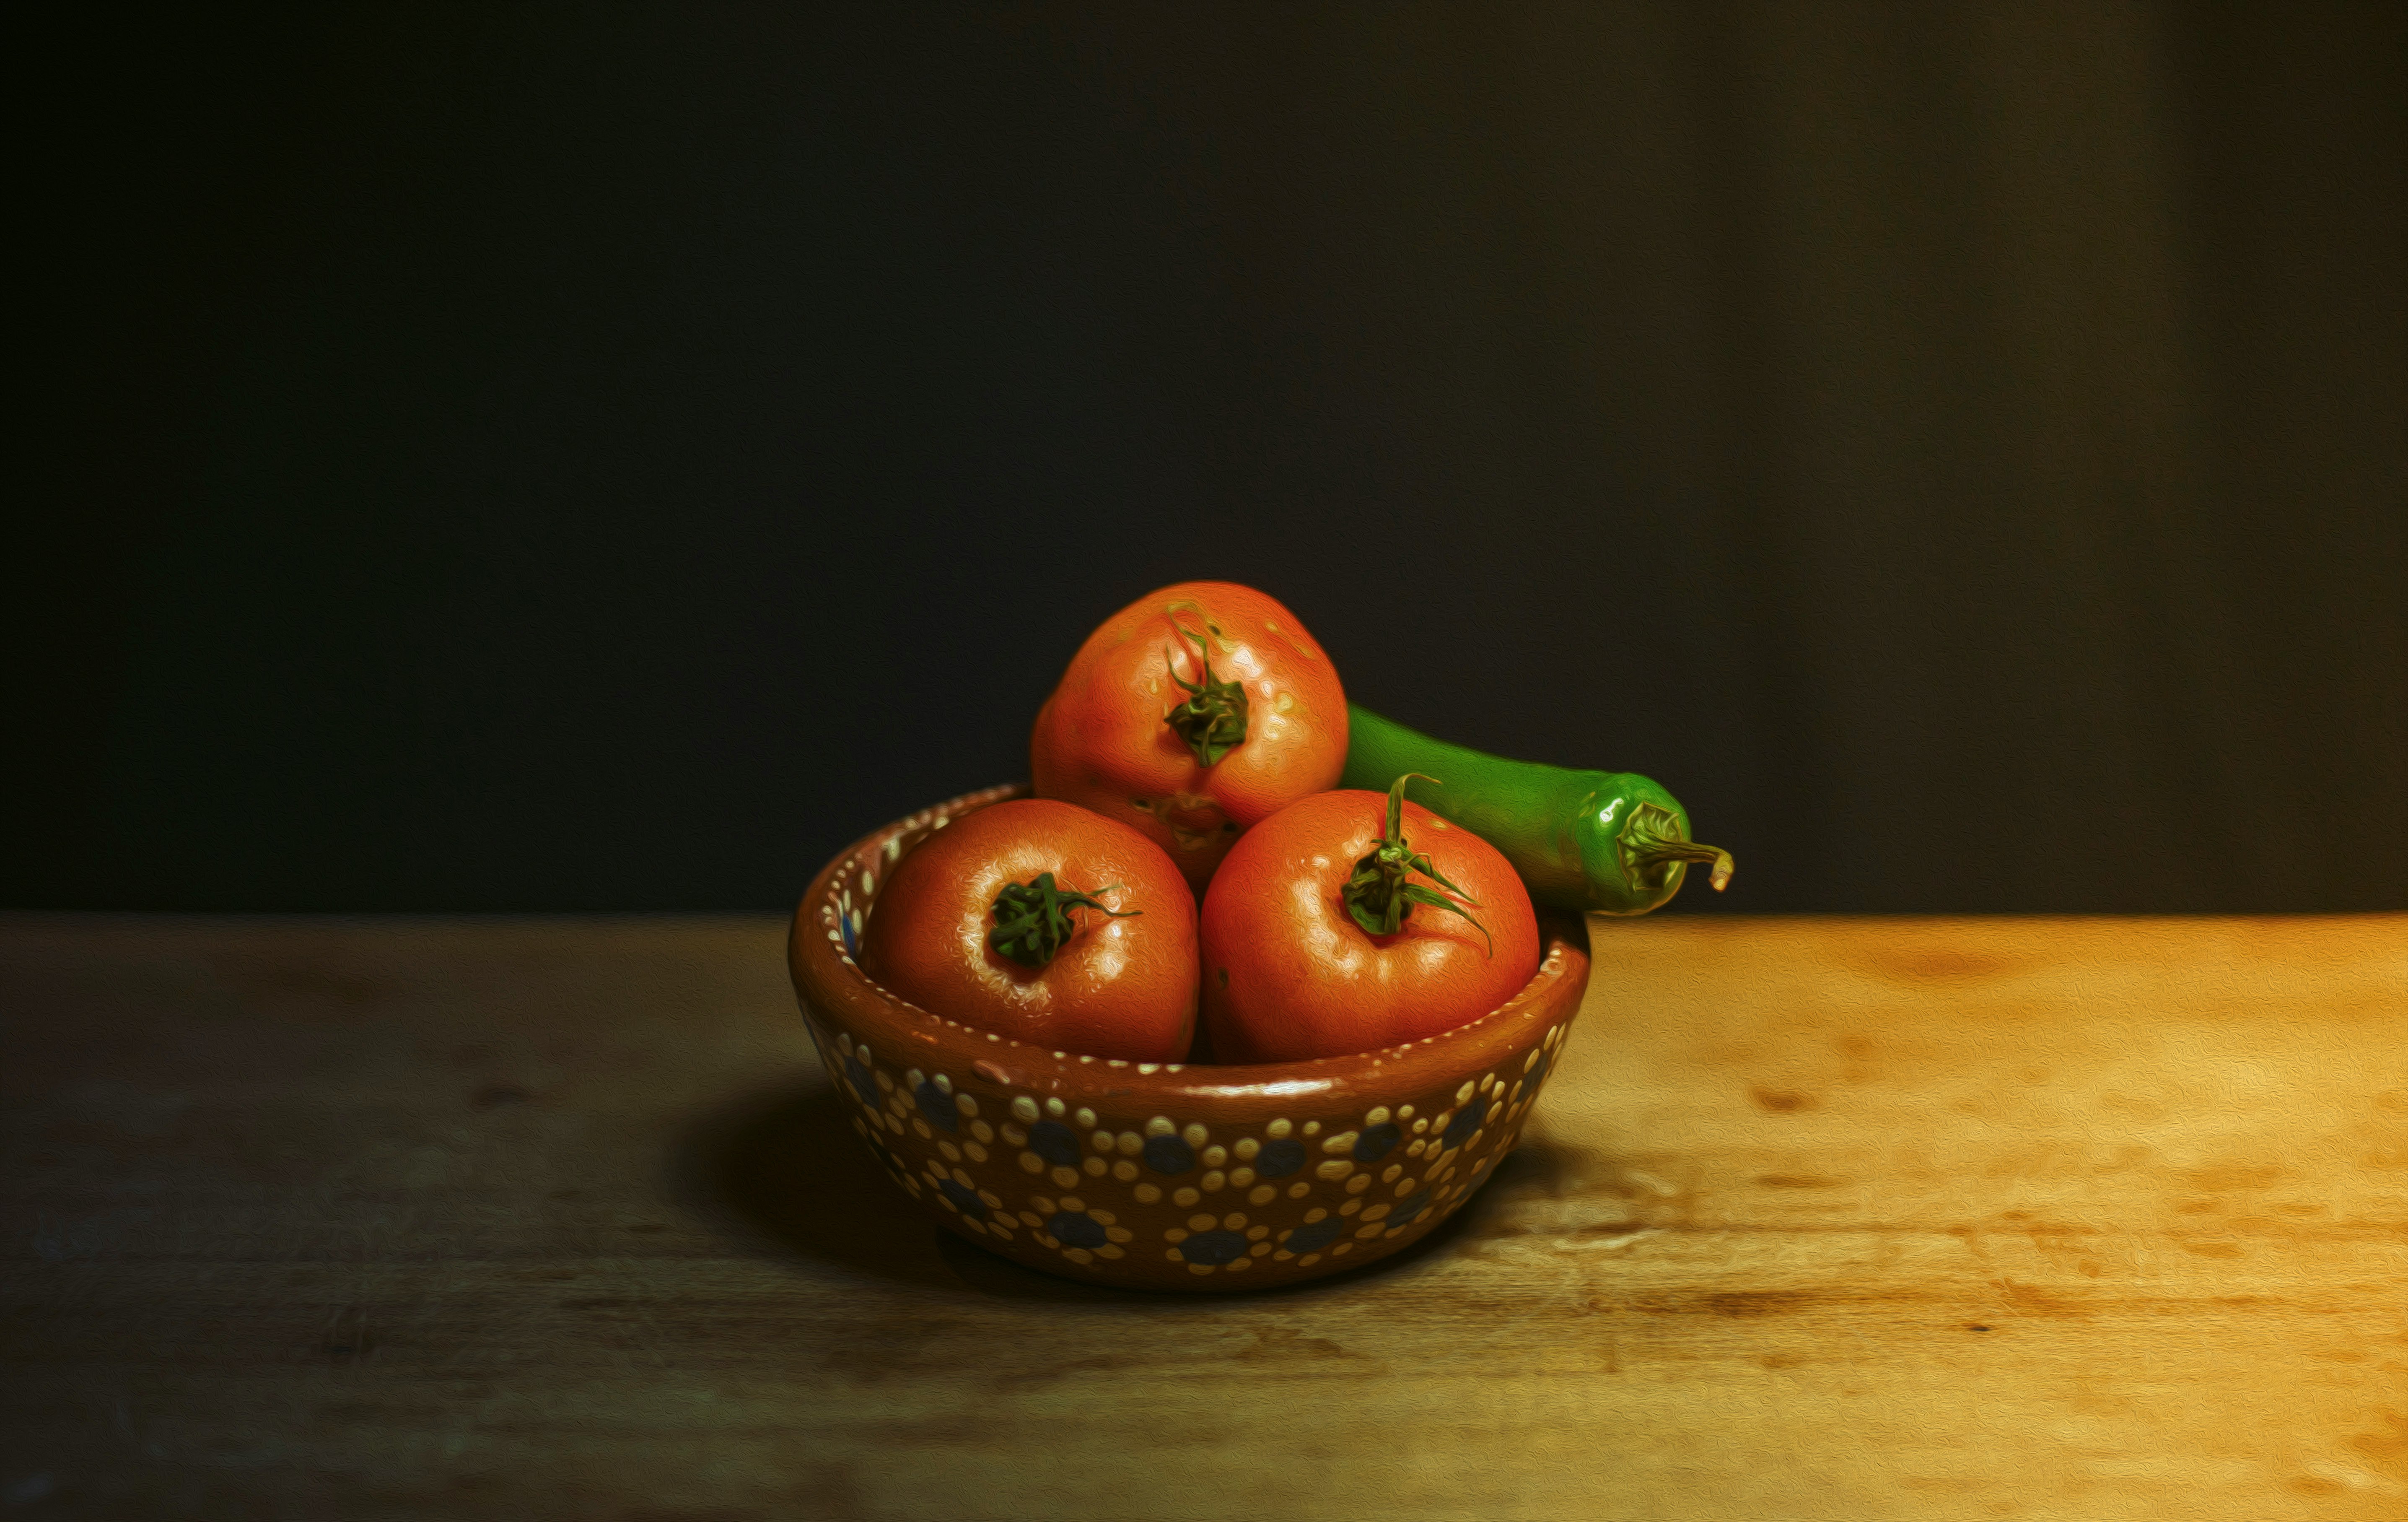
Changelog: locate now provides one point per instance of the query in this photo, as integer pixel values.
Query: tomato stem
(1032, 919)
(1652, 841)
(1213, 721)
(1378, 896)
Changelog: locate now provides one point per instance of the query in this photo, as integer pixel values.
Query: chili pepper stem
(1651, 850)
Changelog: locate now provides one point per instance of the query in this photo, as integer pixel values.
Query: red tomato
(1112, 987)
(1290, 973)
(1140, 731)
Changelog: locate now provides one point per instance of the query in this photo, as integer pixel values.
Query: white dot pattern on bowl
(1303, 1210)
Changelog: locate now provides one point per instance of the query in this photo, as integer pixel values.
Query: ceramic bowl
(1165, 1176)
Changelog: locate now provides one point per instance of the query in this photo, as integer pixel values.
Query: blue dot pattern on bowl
(1377, 1143)
(1278, 1160)
(972, 1162)
(864, 1086)
(1466, 1121)
(1213, 1248)
(1481, 1118)
(1055, 1142)
(1316, 1236)
(1169, 1155)
(1076, 1228)
(936, 1107)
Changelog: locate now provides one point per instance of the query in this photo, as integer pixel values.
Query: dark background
(534, 457)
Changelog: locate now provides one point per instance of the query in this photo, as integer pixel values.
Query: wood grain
(1823, 1218)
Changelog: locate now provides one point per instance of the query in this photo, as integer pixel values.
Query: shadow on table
(782, 1169)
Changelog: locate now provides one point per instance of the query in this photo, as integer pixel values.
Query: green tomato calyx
(1651, 846)
(1213, 721)
(1032, 920)
(1378, 895)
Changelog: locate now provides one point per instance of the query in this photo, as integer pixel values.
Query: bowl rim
(826, 975)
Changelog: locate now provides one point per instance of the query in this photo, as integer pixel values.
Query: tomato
(1192, 715)
(1290, 972)
(1110, 970)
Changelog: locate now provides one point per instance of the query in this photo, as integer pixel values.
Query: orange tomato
(1109, 970)
(1192, 715)
(1289, 973)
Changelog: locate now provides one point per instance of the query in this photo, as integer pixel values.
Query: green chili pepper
(1610, 842)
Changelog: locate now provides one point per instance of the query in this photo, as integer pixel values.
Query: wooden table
(1821, 1219)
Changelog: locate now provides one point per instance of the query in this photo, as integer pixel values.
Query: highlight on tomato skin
(1191, 715)
(1045, 923)
(1291, 970)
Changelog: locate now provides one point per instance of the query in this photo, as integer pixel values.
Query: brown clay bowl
(1144, 1175)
